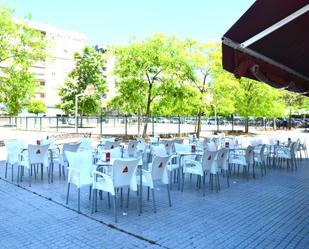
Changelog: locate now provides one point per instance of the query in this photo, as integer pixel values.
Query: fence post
(40, 123)
(57, 125)
(16, 122)
(26, 123)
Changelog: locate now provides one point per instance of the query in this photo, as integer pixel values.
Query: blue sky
(114, 21)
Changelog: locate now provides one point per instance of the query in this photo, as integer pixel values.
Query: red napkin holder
(108, 156)
(193, 148)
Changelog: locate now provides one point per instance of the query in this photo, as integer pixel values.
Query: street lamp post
(76, 111)
(88, 91)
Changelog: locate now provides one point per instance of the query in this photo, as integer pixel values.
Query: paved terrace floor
(266, 212)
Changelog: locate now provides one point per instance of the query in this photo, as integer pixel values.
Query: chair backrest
(50, 141)
(211, 146)
(81, 160)
(208, 161)
(132, 147)
(14, 147)
(111, 145)
(141, 146)
(178, 141)
(179, 148)
(222, 158)
(154, 140)
(158, 167)
(158, 150)
(69, 147)
(38, 154)
(262, 152)
(85, 144)
(104, 140)
(249, 154)
(123, 171)
(168, 144)
(115, 153)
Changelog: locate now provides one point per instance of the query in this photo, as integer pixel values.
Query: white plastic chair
(243, 160)
(168, 144)
(132, 148)
(123, 175)
(111, 145)
(260, 159)
(223, 164)
(208, 165)
(157, 171)
(14, 149)
(37, 156)
(85, 144)
(61, 159)
(80, 171)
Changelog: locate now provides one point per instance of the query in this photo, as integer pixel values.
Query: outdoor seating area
(160, 186)
(118, 172)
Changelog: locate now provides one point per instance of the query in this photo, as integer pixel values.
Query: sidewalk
(266, 212)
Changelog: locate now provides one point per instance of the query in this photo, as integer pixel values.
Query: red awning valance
(270, 43)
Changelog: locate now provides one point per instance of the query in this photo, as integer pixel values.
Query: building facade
(62, 44)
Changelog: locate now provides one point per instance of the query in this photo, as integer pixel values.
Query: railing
(128, 125)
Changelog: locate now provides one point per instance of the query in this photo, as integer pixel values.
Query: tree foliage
(36, 106)
(88, 71)
(146, 70)
(20, 47)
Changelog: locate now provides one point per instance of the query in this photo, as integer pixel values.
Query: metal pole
(152, 125)
(126, 125)
(101, 120)
(76, 110)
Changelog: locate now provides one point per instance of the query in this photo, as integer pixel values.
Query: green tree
(258, 100)
(88, 71)
(20, 47)
(144, 69)
(36, 106)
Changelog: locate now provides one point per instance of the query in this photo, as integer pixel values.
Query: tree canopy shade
(270, 43)
(20, 47)
(88, 71)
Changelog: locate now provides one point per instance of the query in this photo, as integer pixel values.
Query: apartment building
(52, 73)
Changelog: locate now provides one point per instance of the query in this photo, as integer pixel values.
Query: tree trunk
(147, 116)
(81, 121)
(198, 128)
(274, 124)
(290, 120)
(149, 100)
(247, 125)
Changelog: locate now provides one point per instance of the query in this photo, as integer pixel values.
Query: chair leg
(204, 184)
(68, 192)
(169, 195)
(153, 201)
(18, 169)
(78, 193)
(121, 198)
(148, 192)
(12, 165)
(6, 170)
(41, 172)
(90, 191)
(94, 194)
(108, 200)
(115, 208)
(29, 177)
(63, 172)
(218, 180)
(228, 178)
(128, 197)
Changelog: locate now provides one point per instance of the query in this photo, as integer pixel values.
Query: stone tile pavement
(266, 212)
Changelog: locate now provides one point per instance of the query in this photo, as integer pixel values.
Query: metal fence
(130, 125)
